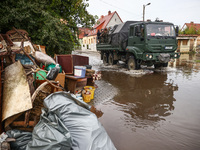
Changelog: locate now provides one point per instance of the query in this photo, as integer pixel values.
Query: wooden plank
(16, 93)
(1, 128)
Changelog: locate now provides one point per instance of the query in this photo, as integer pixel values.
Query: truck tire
(111, 60)
(132, 65)
(157, 66)
(165, 64)
(105, 59)
(160, 65)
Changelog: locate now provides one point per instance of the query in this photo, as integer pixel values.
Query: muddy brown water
(156, 111)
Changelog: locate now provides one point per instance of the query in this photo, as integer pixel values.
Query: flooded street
(148, 108)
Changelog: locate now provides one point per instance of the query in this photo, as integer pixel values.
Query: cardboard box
(61, 79)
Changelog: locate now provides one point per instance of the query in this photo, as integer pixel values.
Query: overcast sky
(175, 11)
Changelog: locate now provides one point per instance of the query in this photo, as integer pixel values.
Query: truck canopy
(119, 34)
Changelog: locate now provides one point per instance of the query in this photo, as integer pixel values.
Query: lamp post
(144, 9)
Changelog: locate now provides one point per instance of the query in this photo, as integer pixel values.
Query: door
(138, 37)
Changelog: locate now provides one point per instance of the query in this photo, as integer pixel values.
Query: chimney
(102, 16)
(109, 12)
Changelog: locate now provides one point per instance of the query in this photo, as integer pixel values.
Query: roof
(192, 24)
(83, 32)
(103, 22)
(187, 36)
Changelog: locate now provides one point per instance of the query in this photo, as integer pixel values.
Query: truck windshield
(160, 30)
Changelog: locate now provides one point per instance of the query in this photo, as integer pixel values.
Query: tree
(53, 23)
(190, 30)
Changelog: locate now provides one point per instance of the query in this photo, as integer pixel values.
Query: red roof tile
(104, 20)
(192, 24)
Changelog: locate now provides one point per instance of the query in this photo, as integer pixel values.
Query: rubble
(26, 83)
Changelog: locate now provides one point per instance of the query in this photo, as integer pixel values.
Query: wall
(184, 45)
(89, 43)
(187, 44)
(114, 20)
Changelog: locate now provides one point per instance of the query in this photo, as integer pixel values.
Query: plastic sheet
(22, 139)
(86, 131)
(44, 58)
(120, 33)
(50, 133)
(64, 125)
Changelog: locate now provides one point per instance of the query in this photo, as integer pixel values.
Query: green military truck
(139, 43)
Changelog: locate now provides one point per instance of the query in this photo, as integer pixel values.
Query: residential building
(111, 19)
(190, 25)
(189, 42)
(82, 32)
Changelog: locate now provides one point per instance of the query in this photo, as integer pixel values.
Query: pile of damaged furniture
(36, 111)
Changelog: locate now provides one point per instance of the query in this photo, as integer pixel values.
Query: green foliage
(42, 20)
(197, 61)
(190, 30)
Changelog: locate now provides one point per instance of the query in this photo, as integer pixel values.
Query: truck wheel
(165, 64)
(105, 59)
(157, 65)
(131, 63)
(111, 60)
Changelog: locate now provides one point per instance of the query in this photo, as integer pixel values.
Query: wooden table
(75, 83)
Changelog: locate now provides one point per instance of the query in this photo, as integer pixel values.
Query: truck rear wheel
(131, 63)
(105, 59)
(111, 60)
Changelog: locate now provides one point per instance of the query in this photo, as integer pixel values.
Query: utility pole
(144, 10)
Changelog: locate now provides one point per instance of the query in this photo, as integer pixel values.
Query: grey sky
(175, 11)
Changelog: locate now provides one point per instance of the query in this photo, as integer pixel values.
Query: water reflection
(149, 97)
(187, 63)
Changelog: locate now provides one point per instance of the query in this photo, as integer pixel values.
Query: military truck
(139, 43)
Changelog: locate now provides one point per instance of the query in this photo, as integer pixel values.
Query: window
(137, 31)
(131, 31)
(184, 42)
(165, 30)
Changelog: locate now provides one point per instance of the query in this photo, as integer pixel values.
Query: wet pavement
(148, 108)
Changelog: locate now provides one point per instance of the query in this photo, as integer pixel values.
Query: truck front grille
(156, 48)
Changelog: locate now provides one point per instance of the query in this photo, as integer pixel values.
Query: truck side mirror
(177, 30)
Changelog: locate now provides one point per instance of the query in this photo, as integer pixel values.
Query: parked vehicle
(139, 43)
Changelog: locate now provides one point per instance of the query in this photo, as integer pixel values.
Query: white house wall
(114, 20)
(185, 48)
(89, 43)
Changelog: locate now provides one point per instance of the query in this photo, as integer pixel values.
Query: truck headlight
(175, 55)
(150, 56)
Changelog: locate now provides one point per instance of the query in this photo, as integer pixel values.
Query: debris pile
(36, 110)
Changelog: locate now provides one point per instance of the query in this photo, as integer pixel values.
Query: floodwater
(159, 110)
